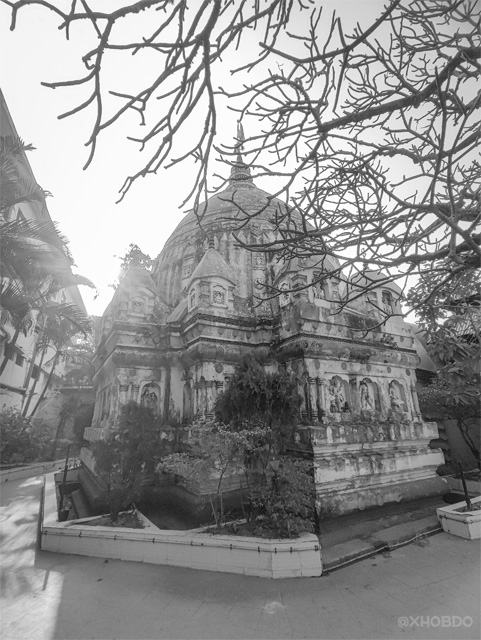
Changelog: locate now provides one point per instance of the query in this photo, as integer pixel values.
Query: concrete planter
(466, 524)
(300, 557)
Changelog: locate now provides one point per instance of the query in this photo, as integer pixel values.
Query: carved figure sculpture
(396, 402)
(337, 397)
(367, 403)
(149, 398)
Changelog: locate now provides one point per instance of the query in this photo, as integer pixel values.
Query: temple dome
(241, 212)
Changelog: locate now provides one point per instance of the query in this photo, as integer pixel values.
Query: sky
(84, 202)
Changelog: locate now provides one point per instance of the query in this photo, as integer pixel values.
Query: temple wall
(369, 463)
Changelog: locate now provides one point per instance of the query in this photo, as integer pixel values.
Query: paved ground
(433, 586)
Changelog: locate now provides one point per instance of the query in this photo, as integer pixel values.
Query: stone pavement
(432, 585)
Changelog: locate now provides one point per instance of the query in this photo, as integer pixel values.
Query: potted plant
(463, 518)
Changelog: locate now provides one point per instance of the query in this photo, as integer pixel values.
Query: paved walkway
(433, 585)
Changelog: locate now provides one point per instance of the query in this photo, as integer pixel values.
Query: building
(170, 340)
(29, 364)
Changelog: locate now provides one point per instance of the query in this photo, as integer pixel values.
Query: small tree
(126, 455)
(82, 420)
(270, 400)
(264, 407)
(215, 450)
(447, 303)
(285, 503)
(23, 439)
(15, 436)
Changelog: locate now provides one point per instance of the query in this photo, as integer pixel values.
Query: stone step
(387, 539)
(80, 504)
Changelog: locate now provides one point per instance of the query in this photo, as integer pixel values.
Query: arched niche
(338, 395)
(150, 396)
(397, 397)
(285, 296)
(219, 295)
(368, 395)
(318, 286)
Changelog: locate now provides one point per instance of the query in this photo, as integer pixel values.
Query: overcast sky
(84, 202)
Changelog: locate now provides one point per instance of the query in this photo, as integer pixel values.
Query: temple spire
(240, 172)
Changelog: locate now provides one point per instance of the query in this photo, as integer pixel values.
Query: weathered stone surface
(174, 337)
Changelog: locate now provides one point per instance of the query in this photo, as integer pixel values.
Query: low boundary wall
(34, 470)
(300, 557)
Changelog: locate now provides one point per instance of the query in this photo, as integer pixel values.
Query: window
(35, 372)
(318, 288)
(19, 360)
(192, 299)
(387, 302)
(285, 296)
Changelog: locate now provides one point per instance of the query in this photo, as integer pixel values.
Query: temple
(171, 338)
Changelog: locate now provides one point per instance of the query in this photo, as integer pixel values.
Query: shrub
(283, 502)
(23, 439)
(126, 455)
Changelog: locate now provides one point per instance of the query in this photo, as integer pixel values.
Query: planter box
(466, 524)
(193, 548)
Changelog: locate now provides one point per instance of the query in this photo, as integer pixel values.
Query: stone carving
(336, 396)
(137, 305)
(259, 283)
(318, 288)
(285, 296)
(387, 302)
(397, 404)
(367, 401)
(218, 296)
(149, 398)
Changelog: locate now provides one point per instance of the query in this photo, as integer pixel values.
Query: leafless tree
(372, 131)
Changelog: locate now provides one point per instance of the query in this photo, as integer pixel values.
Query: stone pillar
(134, 393)
(123, 390)
(209, 398)
(321, 386)
(313, 415)
(417, 409)
(354, 396)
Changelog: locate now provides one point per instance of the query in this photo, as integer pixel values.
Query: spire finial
(240, 172)
(240, 133)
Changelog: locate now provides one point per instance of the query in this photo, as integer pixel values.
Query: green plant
(82, 420)
(259, 397)
(23, 439)
(215, 451)
(284, 501)
(127, 454)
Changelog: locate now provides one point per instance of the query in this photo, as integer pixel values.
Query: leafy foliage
(449, 316)
(134, 257)
(284, 502)
(128, 452)
(259, 410)
(23, 439)
(82, 420)
(215, 451)
(254, 395)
